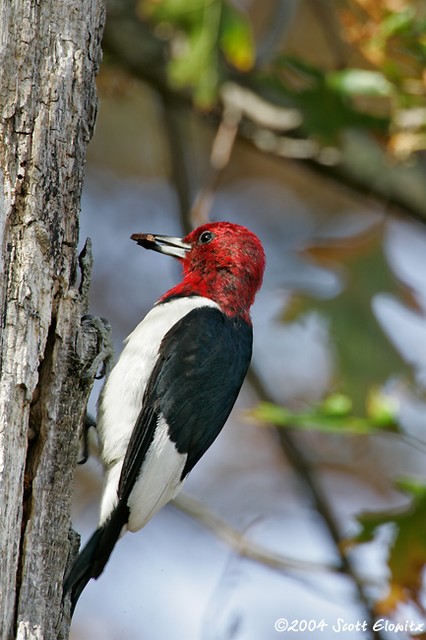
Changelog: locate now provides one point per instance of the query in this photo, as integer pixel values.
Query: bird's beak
(168, 245)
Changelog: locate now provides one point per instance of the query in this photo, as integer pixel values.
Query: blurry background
(304, 120)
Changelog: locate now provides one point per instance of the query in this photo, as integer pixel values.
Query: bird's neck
(224, 288)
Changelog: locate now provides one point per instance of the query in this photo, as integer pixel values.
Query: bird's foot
(101, 364)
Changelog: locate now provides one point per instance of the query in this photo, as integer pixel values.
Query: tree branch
(241, 544)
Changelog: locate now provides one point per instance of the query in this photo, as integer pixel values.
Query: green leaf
(397, 22)
(236, 38)
(268, 412)
(200, 30)
(206, 89)
(382, 409)
(326, 111)
(330, 417)
(195, 62)
(360, 82)
(187, 67)
(407, 553)
(337, 405)
(183, 13)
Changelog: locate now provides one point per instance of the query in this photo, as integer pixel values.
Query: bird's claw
(101, 364)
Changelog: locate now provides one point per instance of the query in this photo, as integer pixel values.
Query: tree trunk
(49, 55)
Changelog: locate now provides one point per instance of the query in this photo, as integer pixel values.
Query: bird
(174, 385)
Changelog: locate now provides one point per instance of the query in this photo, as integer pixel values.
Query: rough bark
(49, 54)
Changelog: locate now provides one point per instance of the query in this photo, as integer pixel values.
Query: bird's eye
(205, 237)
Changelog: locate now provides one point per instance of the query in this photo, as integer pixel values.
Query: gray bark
(49, 55)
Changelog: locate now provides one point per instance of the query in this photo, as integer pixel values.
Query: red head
(220, 260)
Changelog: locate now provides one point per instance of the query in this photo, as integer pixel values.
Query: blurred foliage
(407, 550)
(381, 87)
(334, 415)
(200, 33)
(407, 553)
(323, 98)
(391, 37)
(364, 354)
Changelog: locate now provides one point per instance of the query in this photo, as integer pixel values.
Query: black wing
(202, 364)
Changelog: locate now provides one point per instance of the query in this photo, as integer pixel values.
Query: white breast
(120, 404)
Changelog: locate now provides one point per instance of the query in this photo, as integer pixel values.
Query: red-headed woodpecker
(175, 383)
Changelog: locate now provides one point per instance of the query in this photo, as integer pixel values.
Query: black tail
(82, 569)
(92, 559)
